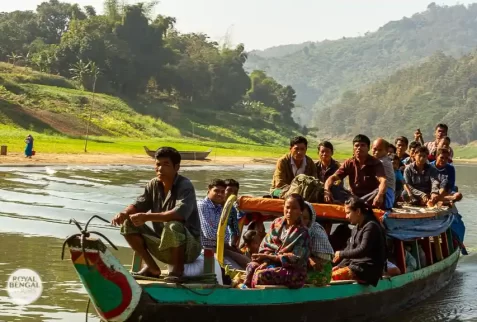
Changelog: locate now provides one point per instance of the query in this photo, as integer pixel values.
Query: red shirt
(362, 179)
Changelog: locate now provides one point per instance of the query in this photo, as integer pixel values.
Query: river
(36, 204)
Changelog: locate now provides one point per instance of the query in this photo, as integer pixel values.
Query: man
(171, 200)
(367, 178)
(440, 132)
(232, 188)
(292, 164)
(210, 210)
(380, 151)
(420, 180)
(401, 143)
(327, 166)
(412, 151)
(444, 143)
(446, 177)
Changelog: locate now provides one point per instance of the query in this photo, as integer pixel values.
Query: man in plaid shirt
(210, 210)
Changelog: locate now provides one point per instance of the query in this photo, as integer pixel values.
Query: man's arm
(207, 224)
(411, 191)
(143, 204)
(279, 175)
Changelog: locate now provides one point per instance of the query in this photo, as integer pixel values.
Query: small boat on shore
(118, 296)
(185, 155)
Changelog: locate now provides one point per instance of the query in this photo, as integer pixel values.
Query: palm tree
(14, 58)
(94, 71)
(78, 71)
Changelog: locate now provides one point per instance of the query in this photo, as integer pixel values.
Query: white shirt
(297, 171)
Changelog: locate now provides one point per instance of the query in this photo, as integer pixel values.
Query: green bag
(310, 188)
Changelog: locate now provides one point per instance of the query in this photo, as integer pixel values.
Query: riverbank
(18, 159)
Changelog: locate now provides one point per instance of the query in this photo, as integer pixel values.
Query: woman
(284, 252)
(364, 257)
(29, 146)
(321, 252)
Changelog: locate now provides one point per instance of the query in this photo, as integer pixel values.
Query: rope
(87, 309)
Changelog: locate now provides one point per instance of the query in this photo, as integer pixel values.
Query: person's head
(306, 218)
(420, 156)
(401, 143)
(444, 143)
(441, 131)
(168, 162)
(325, 151)
(357, 211)
(298, 147)
(216, 191)
(252, 240)
(380, 148)
(259, 227)
(442, 157)
(396, 161)
(294, 206)
(391, 149)
(232, 188)
(361, 145)
(412, 148)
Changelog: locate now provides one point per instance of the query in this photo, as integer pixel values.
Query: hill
(443, 89)
(320, 72)
(49, 104)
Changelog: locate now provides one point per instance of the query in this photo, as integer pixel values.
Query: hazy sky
(264, 23)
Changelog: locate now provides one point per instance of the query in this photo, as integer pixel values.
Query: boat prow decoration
(113, 291)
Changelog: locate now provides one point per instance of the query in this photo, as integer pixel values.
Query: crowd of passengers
(296, 250)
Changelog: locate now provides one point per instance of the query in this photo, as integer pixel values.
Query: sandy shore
(125, 159)
(116, 159)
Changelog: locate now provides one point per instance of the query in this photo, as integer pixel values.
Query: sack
(310, 188)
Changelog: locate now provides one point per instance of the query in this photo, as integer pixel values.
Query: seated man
(292, 164)
(402, 144)
(446, 178)
(444, 143)
(367, 178)
(420, 180)
(440, 132)
(326, 167)
(380, 149)
(170, 197)
(210, 210)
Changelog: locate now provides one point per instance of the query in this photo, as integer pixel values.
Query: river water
(36, 204)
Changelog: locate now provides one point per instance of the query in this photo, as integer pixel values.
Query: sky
(260, 24)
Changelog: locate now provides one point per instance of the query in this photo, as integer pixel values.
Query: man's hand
(118, 219)
(138, 219)
(434, 197)
(417, 135)
(378, 201)
(328, 196)
(425, 199)
(337, 257)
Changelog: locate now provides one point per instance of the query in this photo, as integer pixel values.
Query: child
(251, 243)
(444, 143)
(412, 151)
(399, 178)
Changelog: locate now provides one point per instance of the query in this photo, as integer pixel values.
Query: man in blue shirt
(446, 178)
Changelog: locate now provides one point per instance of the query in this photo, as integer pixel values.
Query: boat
(118, 296)
(185, 155)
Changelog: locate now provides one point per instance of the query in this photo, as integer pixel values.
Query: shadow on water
(36, 204)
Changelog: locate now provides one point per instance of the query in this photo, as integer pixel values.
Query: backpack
(310, 188)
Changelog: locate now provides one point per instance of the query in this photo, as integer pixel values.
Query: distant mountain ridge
(321, 72)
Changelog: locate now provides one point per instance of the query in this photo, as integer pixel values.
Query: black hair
(362, 139)
(298, 140)
(414, 145)
(395, 157)
(299, 199)
(249, 236)
(447, 138)
(422, 149)
(326, 144)
(356, 203)
(232, 183)
(442, 126)
(217, 183)
(392, 147)
(168, 152)
(442, 150)
(402, 138)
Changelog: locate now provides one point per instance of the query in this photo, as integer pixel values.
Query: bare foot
(146, 271)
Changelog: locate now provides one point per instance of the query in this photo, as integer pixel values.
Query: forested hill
(444, 89)
(142, 59)
(321, 71)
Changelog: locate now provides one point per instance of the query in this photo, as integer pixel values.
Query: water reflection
(37, 203)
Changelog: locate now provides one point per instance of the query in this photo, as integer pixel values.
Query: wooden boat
(118, 296)
(185, 155)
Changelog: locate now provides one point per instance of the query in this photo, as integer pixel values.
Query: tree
(94, 71)
(79, 71)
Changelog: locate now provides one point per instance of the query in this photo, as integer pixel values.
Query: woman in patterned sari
(284, 252)
(321, 252)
